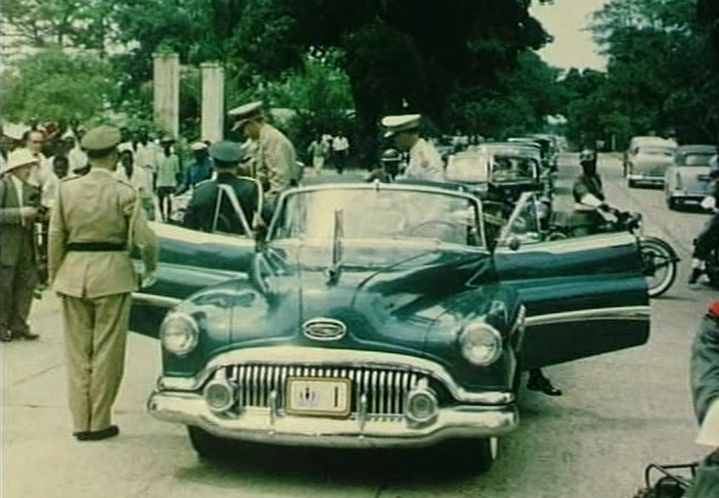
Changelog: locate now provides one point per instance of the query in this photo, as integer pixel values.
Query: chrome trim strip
(312, 357)
(617, 313)
(356, 431)
(152, 300)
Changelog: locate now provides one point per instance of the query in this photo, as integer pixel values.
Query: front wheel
(208, 446)
(477, 454)
(658, 265)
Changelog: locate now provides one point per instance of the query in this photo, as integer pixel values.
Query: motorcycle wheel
(659, 265)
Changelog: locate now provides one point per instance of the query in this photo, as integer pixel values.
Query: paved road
(619, 412)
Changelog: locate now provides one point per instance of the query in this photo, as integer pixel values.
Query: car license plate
(318, 396)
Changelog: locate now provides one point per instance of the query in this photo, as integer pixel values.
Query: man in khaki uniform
(275, 161)
(96, 220)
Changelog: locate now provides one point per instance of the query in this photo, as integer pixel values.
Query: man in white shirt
(425, 163)
(340, 152)
(140, 178)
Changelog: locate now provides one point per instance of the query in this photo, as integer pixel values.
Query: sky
(567, 21)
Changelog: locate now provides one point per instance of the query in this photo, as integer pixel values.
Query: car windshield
(378, 213)
(509, 168)
(656, 151)
(469, 168)
(697, 159)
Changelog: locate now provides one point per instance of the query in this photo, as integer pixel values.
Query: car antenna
(335, 269)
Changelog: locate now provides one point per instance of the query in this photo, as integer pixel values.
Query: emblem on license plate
(318, 396)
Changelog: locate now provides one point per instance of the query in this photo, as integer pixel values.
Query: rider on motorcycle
(589, 197)
(708, 239)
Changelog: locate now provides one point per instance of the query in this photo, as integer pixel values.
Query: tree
(54, 86)
(659, 75)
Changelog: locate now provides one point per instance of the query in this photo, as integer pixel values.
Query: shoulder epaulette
(123, 182)
(70, 178)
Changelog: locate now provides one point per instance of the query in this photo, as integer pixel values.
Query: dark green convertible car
(376, 315)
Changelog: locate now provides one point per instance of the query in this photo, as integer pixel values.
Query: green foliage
(54, 86)
(524, 95)
(659, 76)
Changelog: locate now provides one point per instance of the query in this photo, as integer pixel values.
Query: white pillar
(166, 93)
(213, 101)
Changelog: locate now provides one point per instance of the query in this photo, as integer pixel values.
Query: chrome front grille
(384, 390)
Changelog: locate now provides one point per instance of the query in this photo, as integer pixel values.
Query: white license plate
(319, 397)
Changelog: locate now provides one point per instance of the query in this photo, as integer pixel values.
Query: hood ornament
(334, 271)
(324, 329)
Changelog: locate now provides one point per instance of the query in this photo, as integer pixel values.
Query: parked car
(687, 180)
(507, 168)
(647, 160)
(376, 315)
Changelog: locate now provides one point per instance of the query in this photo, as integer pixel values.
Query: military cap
(20, 157)
(245, 113)
(198, 146)
(101, 138)
(226, 151)
(398, 124)
(167, 138)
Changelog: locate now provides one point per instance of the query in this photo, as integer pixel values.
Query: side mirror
(513, 243)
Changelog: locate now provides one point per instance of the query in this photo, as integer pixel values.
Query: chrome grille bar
(385, 389)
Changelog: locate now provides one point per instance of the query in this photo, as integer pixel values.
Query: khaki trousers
(95, 338)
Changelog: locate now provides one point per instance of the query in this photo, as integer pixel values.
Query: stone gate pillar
(166, 92)
(213, 101)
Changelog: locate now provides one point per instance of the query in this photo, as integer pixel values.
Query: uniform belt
(96, 246)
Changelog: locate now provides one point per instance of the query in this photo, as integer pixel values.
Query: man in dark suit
(19, 208)
(203, 206)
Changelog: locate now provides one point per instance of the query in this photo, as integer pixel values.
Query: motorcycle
(663, 481)
(712, 262)
(659, 260)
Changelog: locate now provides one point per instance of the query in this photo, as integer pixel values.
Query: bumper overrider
(378, 417)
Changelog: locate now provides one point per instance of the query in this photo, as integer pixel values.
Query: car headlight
(481, 343)
(179, 333)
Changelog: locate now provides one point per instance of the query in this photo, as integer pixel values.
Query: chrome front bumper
(642, 178)
(264, 425)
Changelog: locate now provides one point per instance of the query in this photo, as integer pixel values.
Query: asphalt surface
(619, 412)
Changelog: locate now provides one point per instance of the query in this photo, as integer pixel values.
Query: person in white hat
(199, 171)
(425, 163)
(275, 161)
(19, 208)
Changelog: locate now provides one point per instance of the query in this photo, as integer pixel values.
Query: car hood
(417, 311)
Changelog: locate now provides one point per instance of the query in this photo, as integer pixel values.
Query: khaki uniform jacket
(275, 161)
(98, 208)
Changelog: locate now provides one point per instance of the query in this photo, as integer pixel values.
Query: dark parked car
(376, 315)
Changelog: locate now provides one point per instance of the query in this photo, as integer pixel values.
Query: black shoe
(81, 436)
(111, 431)
(543, 384)
(29, 336)
(6, 337)
(694, 276)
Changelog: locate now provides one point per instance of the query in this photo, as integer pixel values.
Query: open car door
(584, 296)
(191, 260)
